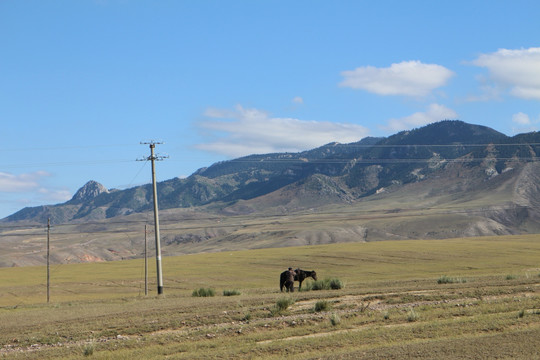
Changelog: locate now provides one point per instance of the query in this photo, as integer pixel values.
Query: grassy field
(472, 298)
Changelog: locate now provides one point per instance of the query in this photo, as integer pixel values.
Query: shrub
(282, 304)
(412, 315)
(88, 350)
(202, 292)
(448, 280)
(511, 277)
(326, 284)
(521, 313)
(336, 284)
(335, 319)
(322, 305)
(318, 285)
(231, 292)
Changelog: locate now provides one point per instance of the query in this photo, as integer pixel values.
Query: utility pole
(153, 158)
(145, 262)
(48, 258)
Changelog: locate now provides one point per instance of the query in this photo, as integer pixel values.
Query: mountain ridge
(357, 170)
(411, 185)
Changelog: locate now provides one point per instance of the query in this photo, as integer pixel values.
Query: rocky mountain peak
(89, 191)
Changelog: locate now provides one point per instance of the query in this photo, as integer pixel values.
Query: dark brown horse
(300, 276)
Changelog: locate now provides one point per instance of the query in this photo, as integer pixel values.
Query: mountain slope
(355, 170)
(448, 179)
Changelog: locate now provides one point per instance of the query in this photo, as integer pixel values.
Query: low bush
(322, 305)
(326, 284)
(202, 292)
(282, 304)
(336, 284)
(335, 319)
(412, 316)
(88, 350)
(449, 280)
(231, 292)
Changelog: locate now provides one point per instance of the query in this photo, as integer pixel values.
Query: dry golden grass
(392, 306)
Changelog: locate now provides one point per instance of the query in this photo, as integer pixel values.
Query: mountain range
(445, 179)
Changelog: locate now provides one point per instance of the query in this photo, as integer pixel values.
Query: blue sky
(82, 83)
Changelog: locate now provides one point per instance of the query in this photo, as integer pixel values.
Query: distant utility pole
(154, 158)
(48, 257)
(145, 262)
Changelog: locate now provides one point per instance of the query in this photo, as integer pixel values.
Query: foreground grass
(98, 310)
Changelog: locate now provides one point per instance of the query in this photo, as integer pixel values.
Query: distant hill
(346, 172)
(446, 179)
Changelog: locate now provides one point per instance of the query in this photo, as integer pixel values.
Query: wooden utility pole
(145, 262)
(48, 259)
(153, 158)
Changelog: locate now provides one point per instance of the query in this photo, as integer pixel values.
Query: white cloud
(521, 119)
(252, 131)
(22, 182)
(524, 123)
(54, 195)
(27, 190)
(517, 69)
(409, 78)
(434, 113)
(298, 100)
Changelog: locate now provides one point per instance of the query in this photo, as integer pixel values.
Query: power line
(67, 163)
(378, 160)
(42, 148)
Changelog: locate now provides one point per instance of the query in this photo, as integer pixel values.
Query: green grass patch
(326, 284)
(412, 315)
(203, 292)
(322, 305)
(231, 293)
(335, 319)
(282, 304)
(451, 280)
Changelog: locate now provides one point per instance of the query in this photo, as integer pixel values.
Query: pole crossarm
(153, 156)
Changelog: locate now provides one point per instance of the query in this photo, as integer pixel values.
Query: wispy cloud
(521, 119)
(298, 100)
(523, 123)
(518, 70)
(244, 131)
(22, 182)
(434, 113)
(408, 78)
(54, 195)
(28, 188)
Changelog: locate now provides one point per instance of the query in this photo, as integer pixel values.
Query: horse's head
(314, 275)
